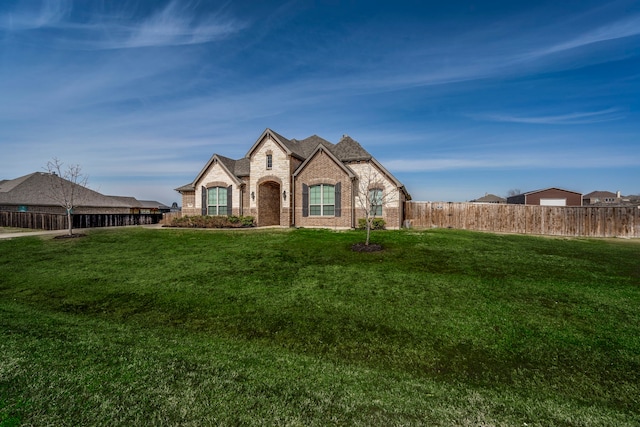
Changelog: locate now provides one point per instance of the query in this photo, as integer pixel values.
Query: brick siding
(323, 170)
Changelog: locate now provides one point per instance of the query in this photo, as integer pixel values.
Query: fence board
(47, 221)
(583, 221)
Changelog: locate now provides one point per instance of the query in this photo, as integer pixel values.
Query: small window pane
(213, 196)
(315, 195)
(328, 196)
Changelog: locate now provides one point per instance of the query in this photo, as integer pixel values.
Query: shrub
(207, 221)
(376, 224)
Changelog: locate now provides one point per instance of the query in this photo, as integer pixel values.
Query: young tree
(68, 187)
(372, 197)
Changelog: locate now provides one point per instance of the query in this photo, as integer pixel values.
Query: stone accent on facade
(278, 173)
(268, 182)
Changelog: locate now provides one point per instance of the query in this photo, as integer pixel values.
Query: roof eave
(322, 148)
(274, 136)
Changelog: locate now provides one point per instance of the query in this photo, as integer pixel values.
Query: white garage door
(553, 202)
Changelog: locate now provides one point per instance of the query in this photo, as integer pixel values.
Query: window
(217, 201)
(375, 201)
(322, 200)
(269, 161)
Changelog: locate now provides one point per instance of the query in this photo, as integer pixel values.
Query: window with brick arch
(269, 161)
(322, 200)
(217, 201)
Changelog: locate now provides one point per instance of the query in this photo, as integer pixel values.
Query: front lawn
(290, 327)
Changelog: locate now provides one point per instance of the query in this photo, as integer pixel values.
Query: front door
(268, 204)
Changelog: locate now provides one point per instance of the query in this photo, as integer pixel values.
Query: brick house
(547, 197)
(602, 198)
(304, 183)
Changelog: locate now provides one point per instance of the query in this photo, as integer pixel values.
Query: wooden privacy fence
(168, 217)
(47, 221)
(524, 219)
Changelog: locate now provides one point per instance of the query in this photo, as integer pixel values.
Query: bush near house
(207, 221)
(376, 224)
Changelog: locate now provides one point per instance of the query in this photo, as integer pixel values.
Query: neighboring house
(153, 207)
(602, 198)
(633, 199)
(547, 197)
(33, 193)
(288, 182)
(489, 198)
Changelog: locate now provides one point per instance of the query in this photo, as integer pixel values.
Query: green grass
(290, 327)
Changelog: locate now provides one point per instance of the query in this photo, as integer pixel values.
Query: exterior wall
(370, 176)
(246, 197)
(516, 200)
(276, 183)
(217, 176)
(280, 172)
(601, 198)
(323, 170)
(573, 199)
(189, 203)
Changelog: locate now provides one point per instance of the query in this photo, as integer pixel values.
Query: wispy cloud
(627, 27)
(578, 118)
(502, 49)
(50, 14)
(174, 25)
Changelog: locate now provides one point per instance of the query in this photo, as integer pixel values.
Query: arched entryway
(268, 204)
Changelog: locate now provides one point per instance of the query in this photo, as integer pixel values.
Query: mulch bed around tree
(361, 247)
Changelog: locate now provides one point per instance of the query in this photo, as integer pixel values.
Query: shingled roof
(347, 150)
(36, 188)
(490, 198)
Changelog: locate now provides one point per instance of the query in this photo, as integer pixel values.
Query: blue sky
(455, 98)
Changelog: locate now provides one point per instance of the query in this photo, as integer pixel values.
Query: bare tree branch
(67, 185)
(373, 196)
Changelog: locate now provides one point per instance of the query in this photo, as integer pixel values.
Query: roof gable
(227, 165)
(600, 194)
(320, 148)
(306, 147)
(550, 188)
(490, 198)
(287, 146)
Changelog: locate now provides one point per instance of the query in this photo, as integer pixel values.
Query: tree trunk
(70, 222)
(368, 232)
